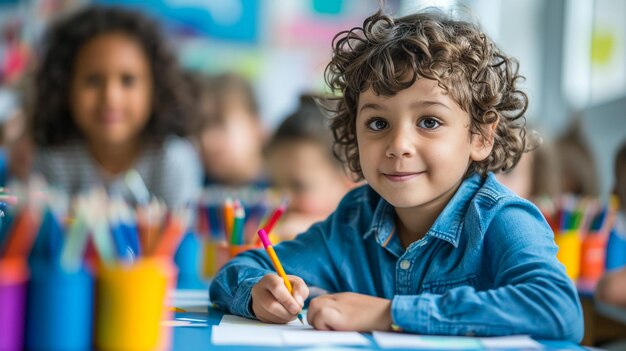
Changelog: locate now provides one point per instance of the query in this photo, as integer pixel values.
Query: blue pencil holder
(616, 250)
(187, 260)
(59, 308)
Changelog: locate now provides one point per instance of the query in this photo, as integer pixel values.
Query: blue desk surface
(195, 338)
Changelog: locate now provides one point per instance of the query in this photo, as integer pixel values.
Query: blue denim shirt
(487, 266)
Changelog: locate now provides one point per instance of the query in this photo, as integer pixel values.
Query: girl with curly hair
(428, 107)
(111, 103)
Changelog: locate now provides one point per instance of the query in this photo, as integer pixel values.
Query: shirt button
(405, 264)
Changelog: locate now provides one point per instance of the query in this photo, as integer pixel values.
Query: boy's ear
(482, 143)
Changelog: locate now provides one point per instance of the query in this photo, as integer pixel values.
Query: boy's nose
(401, 144)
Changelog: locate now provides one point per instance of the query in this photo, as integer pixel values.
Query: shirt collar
(447, 226)
(383, 222)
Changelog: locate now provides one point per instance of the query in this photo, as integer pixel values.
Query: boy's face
(111, 90)
(415, 147)
(313, 183)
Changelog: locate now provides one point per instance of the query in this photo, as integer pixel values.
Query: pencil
(279, 267)
(172, 234)
(275, 217)
(229, 216)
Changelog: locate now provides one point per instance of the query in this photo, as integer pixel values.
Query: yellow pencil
(279, 267)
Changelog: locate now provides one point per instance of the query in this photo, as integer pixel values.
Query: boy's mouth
(402, 176)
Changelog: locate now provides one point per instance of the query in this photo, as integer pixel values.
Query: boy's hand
(350, 311)
(272, 302)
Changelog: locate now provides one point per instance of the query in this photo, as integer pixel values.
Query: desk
(195, 338)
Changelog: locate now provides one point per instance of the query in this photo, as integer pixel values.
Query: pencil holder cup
(188, 261)
(13, 282)
(616, 250)
(215, 254)
(569, 244)
(235, 250)
(131, 304)
(59, 308)
(593, 256)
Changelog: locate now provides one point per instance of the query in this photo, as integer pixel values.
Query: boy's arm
(532, 295)
(306, 257)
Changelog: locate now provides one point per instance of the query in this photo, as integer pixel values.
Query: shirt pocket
(440, 286)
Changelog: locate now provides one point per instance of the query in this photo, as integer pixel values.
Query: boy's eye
(428, 123)
(377, 124)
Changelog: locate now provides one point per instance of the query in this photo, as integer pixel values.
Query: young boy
(433, 244)
(301, 164)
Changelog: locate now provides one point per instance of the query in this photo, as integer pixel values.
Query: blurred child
(536, 174)
(110, 103)
(229, 131)
(301, 163)
(578, 170)
(433, 244)
(620, 178)
(612, 287)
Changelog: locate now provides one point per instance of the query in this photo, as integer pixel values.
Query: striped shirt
(171, 171)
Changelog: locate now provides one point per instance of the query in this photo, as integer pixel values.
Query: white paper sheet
(397, 340)
(245, 335)
(510, 342)
(179, 323)
(189, 300)
(317, 337)
(232, 320)
(235, 330)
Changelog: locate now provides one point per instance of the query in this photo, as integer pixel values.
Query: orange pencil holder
(217, 253)
(131, 304)
(214, 256)
(569, 243)
(235, 250)
(593, 257)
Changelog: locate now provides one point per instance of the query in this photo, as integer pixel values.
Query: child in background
(536, 174)
(301, 163)
(110, 102)
(578, 169)
(229, 131)
(433, 244)
(612, 287)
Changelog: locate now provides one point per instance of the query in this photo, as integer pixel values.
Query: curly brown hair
(51, 120)
(466, 63)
